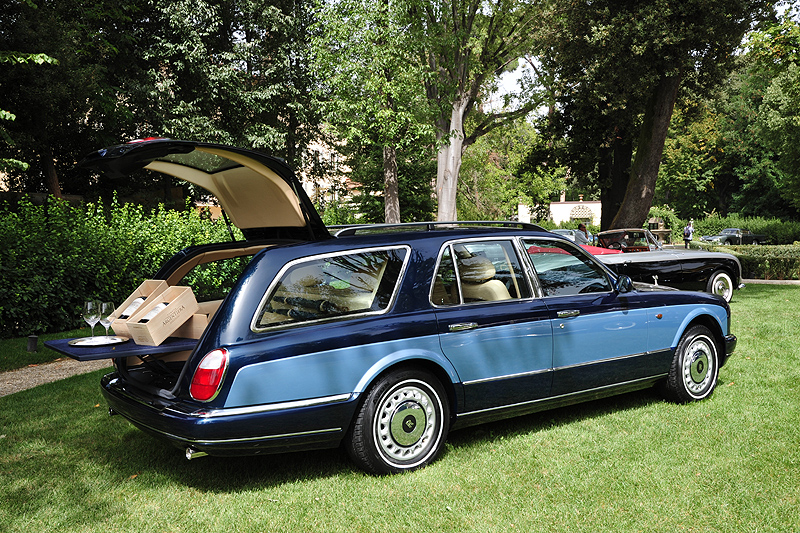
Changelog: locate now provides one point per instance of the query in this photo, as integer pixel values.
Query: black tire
(695, 367)
(721, 284)
(402, 424)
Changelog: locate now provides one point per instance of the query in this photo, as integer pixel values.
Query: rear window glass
(333, 286)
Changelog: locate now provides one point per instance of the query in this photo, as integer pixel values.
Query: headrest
(475, 269)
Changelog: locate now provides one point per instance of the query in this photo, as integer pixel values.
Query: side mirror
(623, 285)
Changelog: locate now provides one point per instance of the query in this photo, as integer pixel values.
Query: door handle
(569, 313)
(463, 326)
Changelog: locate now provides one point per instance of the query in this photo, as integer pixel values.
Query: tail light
(208, 375)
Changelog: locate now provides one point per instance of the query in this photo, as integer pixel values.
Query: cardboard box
(148, 288)
(196, 325)
(179, 304)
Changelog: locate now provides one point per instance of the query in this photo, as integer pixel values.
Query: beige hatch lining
(253, 196)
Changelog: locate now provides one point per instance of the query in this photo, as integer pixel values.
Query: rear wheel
(402, 425)
(721, 284)
(695, 367)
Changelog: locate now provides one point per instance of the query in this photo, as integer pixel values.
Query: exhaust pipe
(193, 453)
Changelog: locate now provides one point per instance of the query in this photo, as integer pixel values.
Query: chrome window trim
(512, 239)
(282, 272)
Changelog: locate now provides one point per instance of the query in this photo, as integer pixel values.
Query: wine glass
(91, 313)
(106, 312)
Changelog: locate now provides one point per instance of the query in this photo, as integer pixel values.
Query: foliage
(463, 46)
(414, 179)
(612, 62)
(232, 72)
(6, 163)
(57, 256)
(371, 89)
(210, 70)
(69, 106)
(776, 231)
(766, 262)
(670, 218)
(497, 175)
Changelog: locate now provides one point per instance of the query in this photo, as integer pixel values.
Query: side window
(333, 286)
(480, 271)
(563, 270)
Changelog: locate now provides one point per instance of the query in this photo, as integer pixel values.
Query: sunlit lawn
(630, 463)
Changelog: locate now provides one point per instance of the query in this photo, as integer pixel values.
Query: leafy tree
(234, 72)
(463, 46)
(497, 174)
(776, 56)
(371, 90)
(721, 155)
(414, 171)
(7, 164)
(60, 106)
(618, 67)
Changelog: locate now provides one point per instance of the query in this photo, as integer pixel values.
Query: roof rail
(349, 230)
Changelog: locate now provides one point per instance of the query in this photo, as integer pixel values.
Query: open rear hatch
(259, 193)
(261, 196)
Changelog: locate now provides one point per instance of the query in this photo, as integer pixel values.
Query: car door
(497, 336)
(599, 335)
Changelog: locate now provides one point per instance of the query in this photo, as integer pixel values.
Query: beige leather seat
(476, 274)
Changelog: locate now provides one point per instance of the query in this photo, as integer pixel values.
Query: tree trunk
(642, 183)
(391, 193)
(616, 167)
(50, 174)
(449, 163)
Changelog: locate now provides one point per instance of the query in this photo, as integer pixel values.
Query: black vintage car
(694, 270)
(735, 236)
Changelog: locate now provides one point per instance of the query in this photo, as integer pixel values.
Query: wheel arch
(709, 321)
(439, 367)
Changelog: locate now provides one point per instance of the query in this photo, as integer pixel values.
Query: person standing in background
(688, 231)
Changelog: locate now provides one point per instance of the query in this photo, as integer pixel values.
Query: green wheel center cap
(408, 423)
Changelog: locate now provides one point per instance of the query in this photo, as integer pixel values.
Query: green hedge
(765, 262)
(776, 231)
(56, 256)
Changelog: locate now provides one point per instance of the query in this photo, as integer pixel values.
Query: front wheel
(721, 284)
(402, 425)
(695, 367)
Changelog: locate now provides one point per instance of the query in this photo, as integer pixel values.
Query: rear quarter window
(334, 286)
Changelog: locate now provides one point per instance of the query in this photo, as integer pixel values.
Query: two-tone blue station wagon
(384, 339)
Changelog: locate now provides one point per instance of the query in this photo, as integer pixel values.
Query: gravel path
(35, 375)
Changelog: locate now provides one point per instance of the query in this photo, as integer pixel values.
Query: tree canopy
(619, 66)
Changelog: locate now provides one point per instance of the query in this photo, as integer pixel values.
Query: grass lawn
(630, 463)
